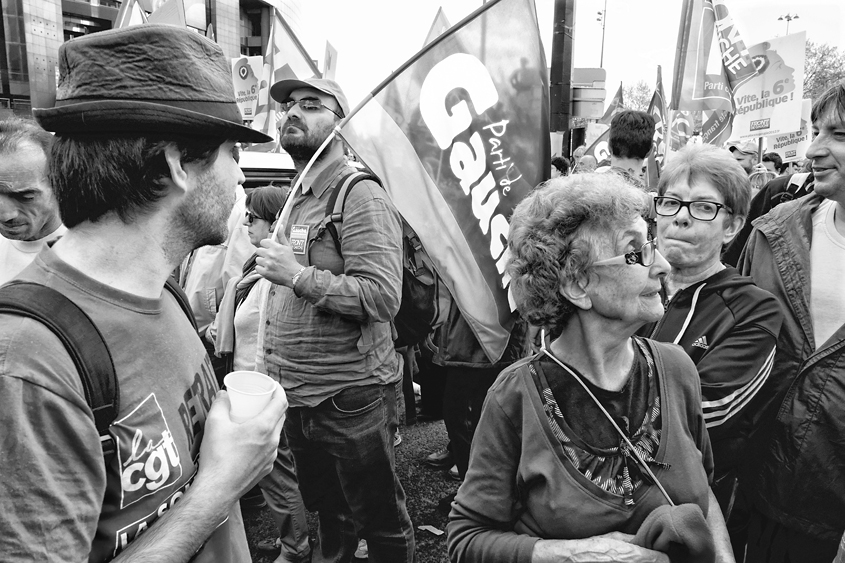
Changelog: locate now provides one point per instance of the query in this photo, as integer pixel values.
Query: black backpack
(425, 303)
(84, 343)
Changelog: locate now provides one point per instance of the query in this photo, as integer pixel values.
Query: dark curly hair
(555, 235)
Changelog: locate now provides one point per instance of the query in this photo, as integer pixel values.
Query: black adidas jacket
(729, 327)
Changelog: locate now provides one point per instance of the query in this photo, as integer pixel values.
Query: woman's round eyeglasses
(644, 256)
(701, 210)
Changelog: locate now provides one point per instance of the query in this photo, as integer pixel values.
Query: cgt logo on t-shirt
(147, 455)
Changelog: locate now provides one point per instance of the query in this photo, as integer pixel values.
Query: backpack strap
(83, 342)
(336, 203)
(796, 181)
(790, 189)
(173, 287)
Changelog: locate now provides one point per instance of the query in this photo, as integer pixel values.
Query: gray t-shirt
(59, 501)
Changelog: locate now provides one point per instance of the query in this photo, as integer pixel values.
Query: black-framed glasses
(644, 256)
(250, 217)
(701, 210)
(308, 104)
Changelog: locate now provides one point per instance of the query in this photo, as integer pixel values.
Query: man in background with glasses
(328, 336)
(725, 324)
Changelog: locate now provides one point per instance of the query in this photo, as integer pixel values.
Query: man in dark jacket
(797, 252)
(780, 190)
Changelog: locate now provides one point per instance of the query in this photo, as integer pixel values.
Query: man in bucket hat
(144, 166)
(328, 336)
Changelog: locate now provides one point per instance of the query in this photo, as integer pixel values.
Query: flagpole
(448, 33)
(289, 201)
(337, 130)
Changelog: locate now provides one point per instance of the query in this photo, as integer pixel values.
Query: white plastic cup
(249, 392)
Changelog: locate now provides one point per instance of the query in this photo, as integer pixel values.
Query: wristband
(296, 277)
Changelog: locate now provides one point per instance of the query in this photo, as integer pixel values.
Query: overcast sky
(374, 37)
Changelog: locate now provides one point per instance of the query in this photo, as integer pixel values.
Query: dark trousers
(281, 491)
(463, 397)
(344, 456)
(771, 542)
(432, 383)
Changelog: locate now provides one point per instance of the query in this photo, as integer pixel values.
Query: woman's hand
(614, 546)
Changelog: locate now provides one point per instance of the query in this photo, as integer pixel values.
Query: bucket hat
(146, 79)
(280, 91)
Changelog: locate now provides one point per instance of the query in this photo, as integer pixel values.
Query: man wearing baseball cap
(745, 152)
(328, 336)
(144, 168)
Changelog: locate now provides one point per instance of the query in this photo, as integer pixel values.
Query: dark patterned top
(590, 441)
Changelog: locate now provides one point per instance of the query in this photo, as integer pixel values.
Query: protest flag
(171, 12)
(330, 62)
(616, 105)
(285, 58)
(438, 26)
(459, 136)
(717, 127)
(703, 23)
(680, 129)
(130, 13)
(657, 108)
(600, 149)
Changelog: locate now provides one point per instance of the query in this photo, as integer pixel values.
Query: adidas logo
(701, 343)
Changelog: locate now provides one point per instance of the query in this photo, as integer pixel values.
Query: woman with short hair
(581, 446)
(724, 322)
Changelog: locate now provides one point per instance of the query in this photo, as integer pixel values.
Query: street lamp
(602, 17)
(788, 18)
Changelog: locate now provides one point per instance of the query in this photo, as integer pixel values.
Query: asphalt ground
(424, 487)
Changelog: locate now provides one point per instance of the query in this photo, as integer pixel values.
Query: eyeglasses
(308, 105)
(701, 210)
(644, 256)
(250, 217)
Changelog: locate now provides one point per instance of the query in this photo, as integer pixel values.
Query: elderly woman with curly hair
(581, 447)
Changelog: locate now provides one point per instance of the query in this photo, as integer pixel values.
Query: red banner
(703, 23)
(616, 105)
(657, 108)
(460, 135)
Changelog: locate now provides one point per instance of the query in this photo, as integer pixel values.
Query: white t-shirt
(827, 275)
(15, 255)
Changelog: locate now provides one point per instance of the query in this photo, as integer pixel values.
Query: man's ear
(575, 291)
(178, 175)
(733, 227)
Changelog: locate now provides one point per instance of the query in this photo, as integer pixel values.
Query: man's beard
(202, 219)
(302, 149)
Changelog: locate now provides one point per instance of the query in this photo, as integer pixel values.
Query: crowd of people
(673, 388)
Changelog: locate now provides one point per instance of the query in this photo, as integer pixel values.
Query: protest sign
(770, 103)
(245, 73)
(793, 146)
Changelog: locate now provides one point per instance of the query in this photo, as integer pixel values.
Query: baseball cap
(746, 147)
(280, 91)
